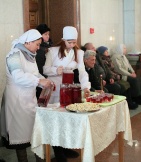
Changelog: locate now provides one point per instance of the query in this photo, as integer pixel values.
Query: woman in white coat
(19, 99)
(123, 67)
(65, 55)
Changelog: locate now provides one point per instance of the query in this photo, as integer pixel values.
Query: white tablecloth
(91, 131)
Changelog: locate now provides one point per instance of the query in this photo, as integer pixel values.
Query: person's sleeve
(119, 68)
(76, 76)
(41, 76)
(40, 60)
(72, 64)
(130, 67)
(83, 75)
(18, 75)
(109, 74)
(48, 68)
(24, 79)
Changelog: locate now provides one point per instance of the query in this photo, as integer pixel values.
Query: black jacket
(93, 78)
(107, 75)
(41, 58)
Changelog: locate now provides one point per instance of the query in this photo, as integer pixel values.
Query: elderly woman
(123, 67)
(19, 100)
(125, 86)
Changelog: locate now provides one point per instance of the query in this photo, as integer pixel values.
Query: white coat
(52, 63)
(20, 100)
(122, 65)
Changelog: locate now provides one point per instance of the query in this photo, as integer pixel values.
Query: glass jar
(45, 96)
(67, 76)
(65, 94)
(76, 93)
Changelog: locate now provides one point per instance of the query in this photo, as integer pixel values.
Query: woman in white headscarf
(65, 55)
(19, 100)
(123, 67)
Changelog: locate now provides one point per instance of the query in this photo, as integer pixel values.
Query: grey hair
(88, 53)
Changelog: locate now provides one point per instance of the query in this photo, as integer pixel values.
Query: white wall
(129, 24)
(132, 25)
(118, 19)
(106, 17)
(11, 27)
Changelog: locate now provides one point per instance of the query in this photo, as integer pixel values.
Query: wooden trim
(77, 20)
(26, 15)
(46, 8)
(81, 154)
(47, 156)
(121, 146)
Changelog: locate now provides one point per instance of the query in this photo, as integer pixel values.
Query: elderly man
(89, 61)
(89, 46)
(91, 68)
(94, 70)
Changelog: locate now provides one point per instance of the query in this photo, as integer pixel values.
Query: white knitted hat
(69, 33)
(28, 36)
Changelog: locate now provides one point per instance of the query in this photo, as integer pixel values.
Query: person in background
(117, 77)
(91, 69)
(65, 54)
(123, 67)
(102, 70)
(89, 46)
(19, 100)
(44, 30)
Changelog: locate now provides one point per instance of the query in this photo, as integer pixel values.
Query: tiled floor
(110, 154)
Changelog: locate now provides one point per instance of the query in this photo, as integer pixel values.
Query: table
(92, 132)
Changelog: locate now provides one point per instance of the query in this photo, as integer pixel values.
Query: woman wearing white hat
(65, 55)
(19, 100)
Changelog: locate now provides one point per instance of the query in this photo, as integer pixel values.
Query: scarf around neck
(28, 55)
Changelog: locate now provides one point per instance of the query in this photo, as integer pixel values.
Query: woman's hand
(60, 70)
(86, 92)
(45, 83)
(133, 75)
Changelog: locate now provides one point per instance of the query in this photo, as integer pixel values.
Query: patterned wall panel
(56, 13)
(33, 19)
(34, 0)
(33, 13)
(62, 13)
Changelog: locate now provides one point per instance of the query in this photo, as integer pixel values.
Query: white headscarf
(119, 49)
(28, 36)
